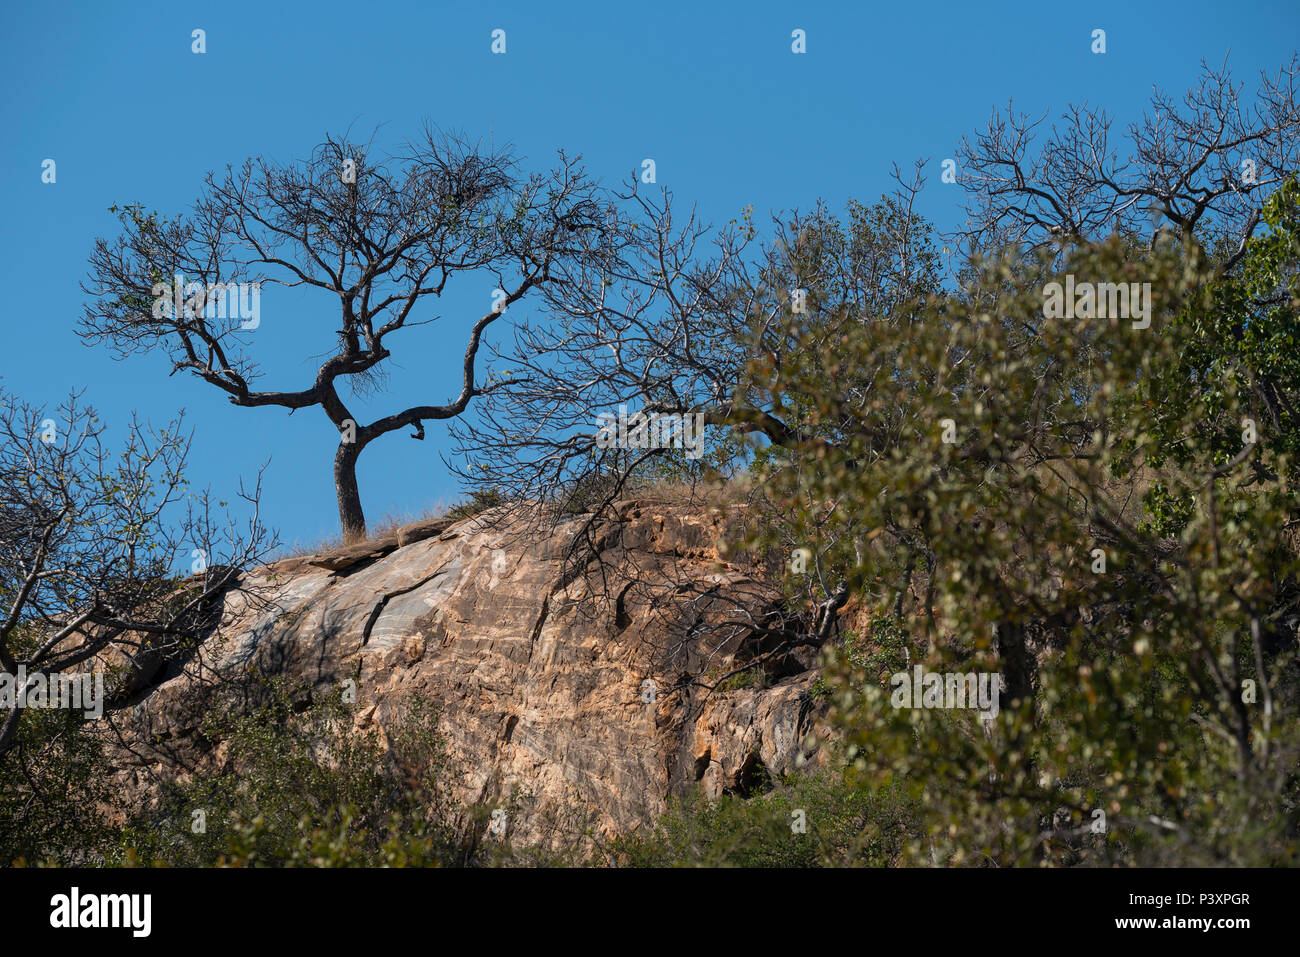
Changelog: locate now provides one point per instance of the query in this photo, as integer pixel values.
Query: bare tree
(90, 543)
(1202, 168)
(663, 318)
(378, 235)
(667, 319)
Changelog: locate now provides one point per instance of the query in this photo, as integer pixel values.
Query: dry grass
(712, 494)
(383, 527)
(709, 494)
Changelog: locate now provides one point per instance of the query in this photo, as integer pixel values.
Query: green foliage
(56, 802)
(886, 651)
(1241, 338)
(304, 787)
(1162, 691)
(752, 677)
(480, 500)
(839, 826)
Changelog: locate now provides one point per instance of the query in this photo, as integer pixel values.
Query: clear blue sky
(712, 92)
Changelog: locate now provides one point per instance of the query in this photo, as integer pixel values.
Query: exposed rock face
(564, 683)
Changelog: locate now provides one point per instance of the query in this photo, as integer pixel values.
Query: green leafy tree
(1060, 502)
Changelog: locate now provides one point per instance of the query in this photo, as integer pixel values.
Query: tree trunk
(351, 518)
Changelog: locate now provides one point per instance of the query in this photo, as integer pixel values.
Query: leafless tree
(663, 317)
(91, 539)
(378, 236)
(1201, 167)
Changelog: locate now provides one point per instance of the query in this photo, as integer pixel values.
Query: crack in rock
(390, 595)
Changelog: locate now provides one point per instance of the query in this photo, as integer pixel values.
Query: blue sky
(712, 92)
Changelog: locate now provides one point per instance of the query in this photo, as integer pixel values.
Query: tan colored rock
(418, 531)
(544, 678)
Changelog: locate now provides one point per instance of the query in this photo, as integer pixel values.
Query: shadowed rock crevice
(751, 778)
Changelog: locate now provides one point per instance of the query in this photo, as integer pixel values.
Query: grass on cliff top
(683, 494)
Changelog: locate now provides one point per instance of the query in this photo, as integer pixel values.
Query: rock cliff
(573, 678)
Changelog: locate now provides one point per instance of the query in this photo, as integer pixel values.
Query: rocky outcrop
(575, 680)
